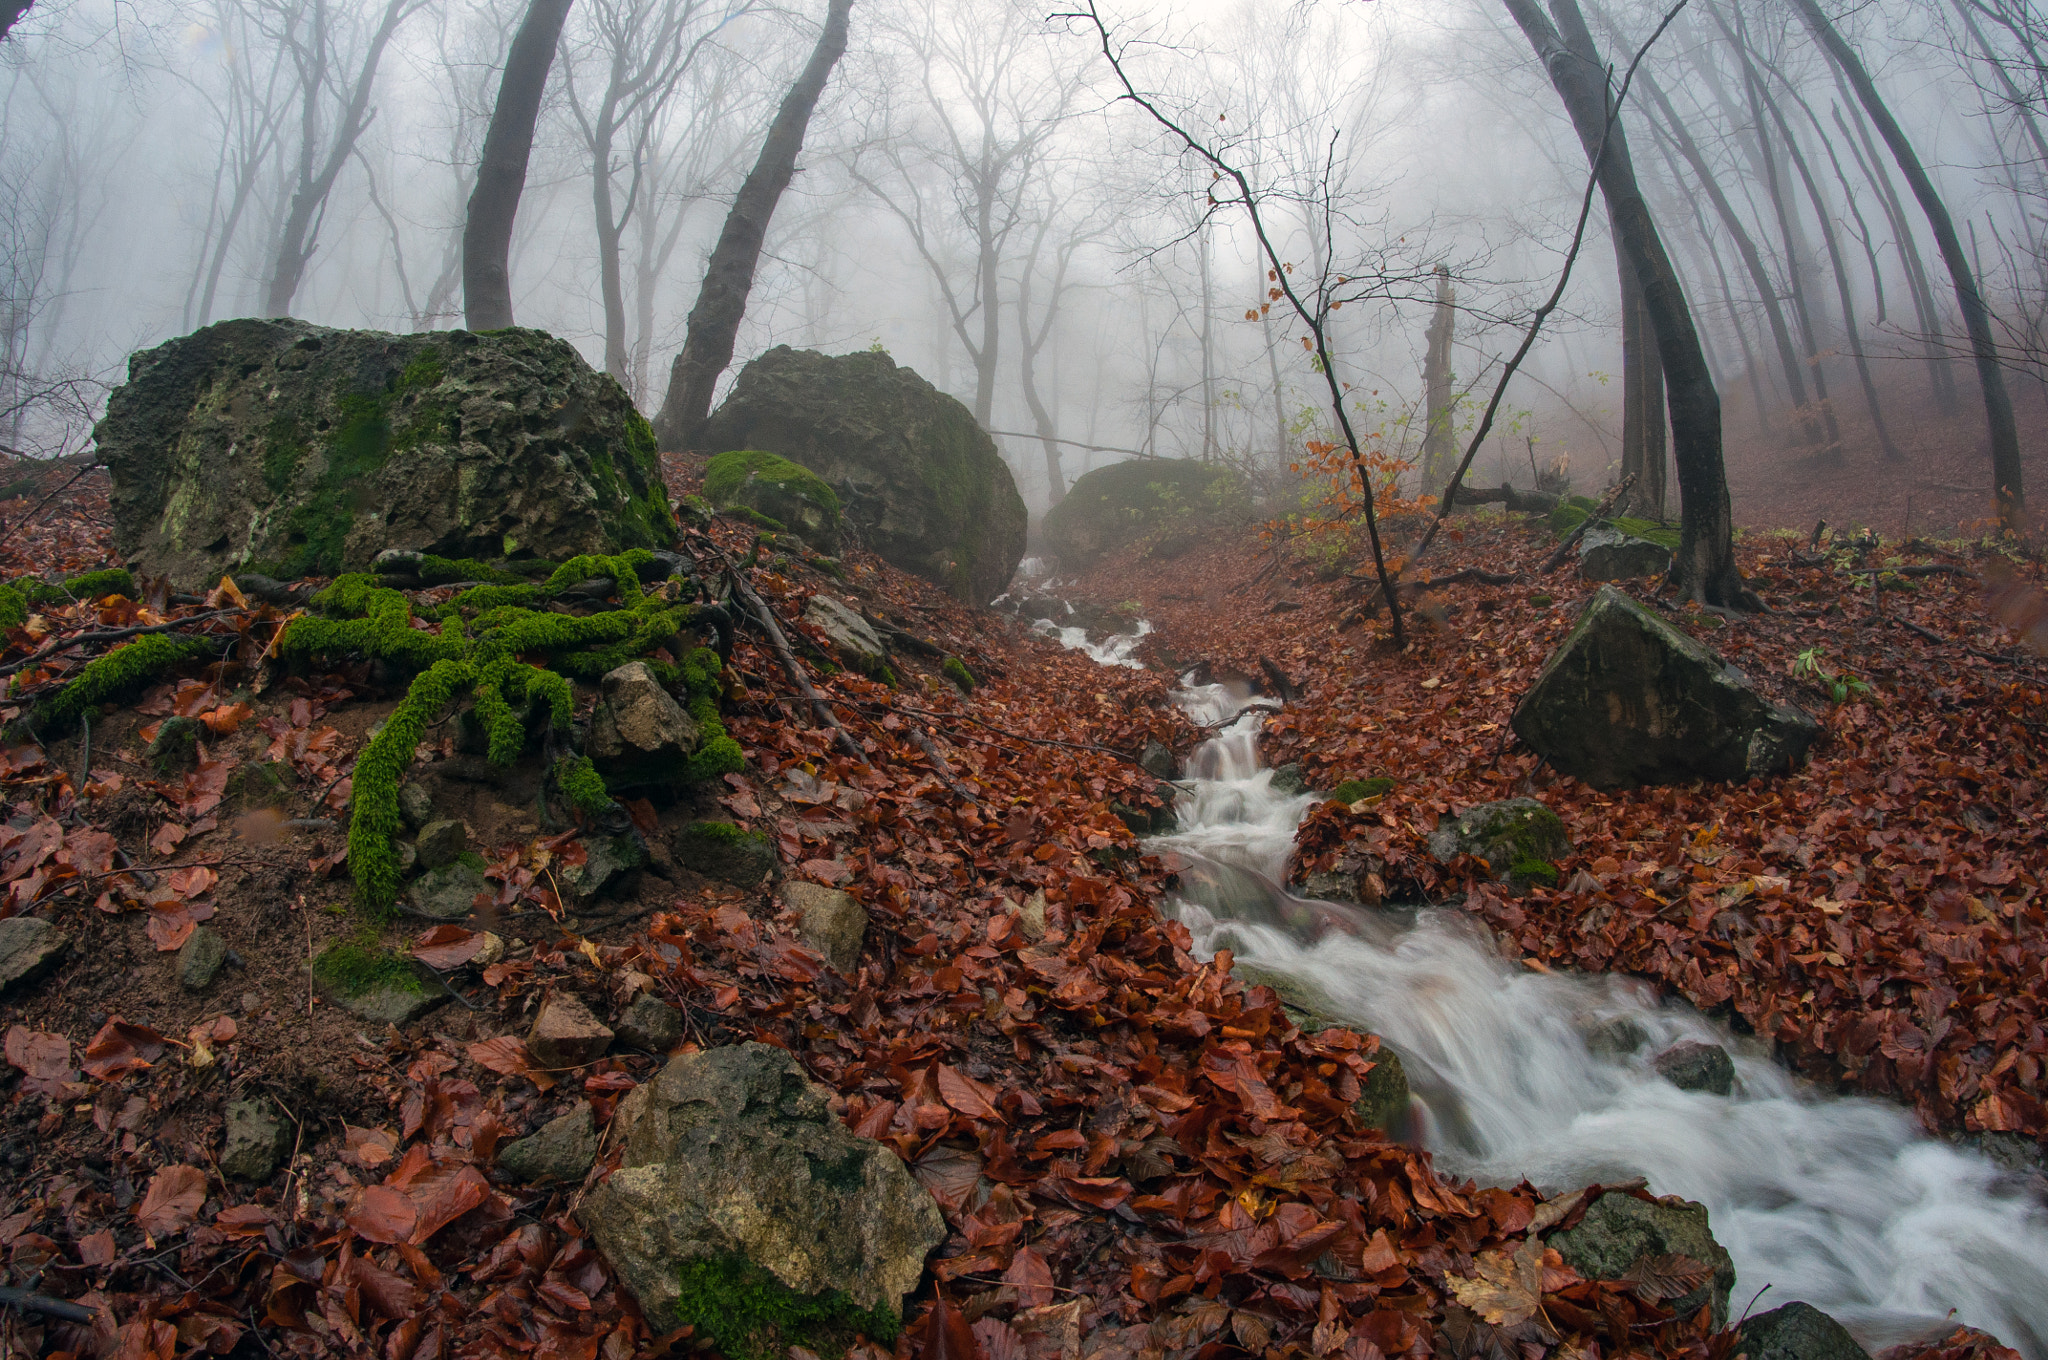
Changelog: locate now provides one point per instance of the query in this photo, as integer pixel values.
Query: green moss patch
(954, 669)
(750, 1315)
(1571, 513)
(727, 473)
(1351, 790)
(360, 965)
(723, 833)
(115, 676)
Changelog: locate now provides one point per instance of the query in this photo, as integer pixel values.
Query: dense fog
(151, 155)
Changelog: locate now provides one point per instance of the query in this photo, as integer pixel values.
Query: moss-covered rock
(724, 851)
(289, 449)
(1167, 500)
(1620, 1230)
(1517, 837)
(769, 484)
(918, 479)
(1355, 790)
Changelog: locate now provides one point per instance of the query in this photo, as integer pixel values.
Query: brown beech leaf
(945, 1334)
(1031, 1277)
(172, 1200)
(120, 1047)
(965, 1094)
(1657, 1278)
(44, 1059)
(1504, 1290)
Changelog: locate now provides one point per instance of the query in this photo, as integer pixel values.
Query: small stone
(639, 735)
(29, 948)
(1158, 760)
(649, 1023)
(408, 859)
(200, 958)
(608, 865)
(1608, 554)
(391, 1005)
(1031, 917)
(442, 843)
(1290, 780)
(565, 1034)
(1619, 1230)
(832, 922)
(560, 1150)
(846, 630)
(1798, 1331)
(1694, 1066)
(415, 805)
(1383, 1101)
(1615, 1038)
(488, 951)
(254, 1141)
(252, 1002)
(175, 745)
(450, 891)
(724, 851)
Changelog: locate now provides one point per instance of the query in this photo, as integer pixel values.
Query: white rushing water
(1841, 1202)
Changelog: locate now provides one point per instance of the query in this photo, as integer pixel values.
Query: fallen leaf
(172, 1201)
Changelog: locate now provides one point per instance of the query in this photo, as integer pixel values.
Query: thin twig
(65, 644)
(939, 765)
(1598, 513)
(25, 519)
(776, 640)
(11, 1297)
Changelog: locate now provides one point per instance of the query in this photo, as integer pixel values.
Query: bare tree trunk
(1030, 341)
(1439, 450)
(1280, 439)
(729, 273)
(1208, 350)
(501, 170)
(1643, 416)
(2007, 478)
(1705, 566)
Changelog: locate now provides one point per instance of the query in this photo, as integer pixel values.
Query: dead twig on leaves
(22, 1299)
(798, 676)
(1598, 513)
(939, 765)
(30, 516)
(65, 644)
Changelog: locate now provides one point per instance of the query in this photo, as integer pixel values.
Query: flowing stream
(1842, 1202)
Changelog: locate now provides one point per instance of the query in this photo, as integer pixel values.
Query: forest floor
(1137, 1155)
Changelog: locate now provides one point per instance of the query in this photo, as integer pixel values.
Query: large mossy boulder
(1160, 499)
(742, 1207)
(788, 493)
(918, 481)
(1627, 699)
(288, 449)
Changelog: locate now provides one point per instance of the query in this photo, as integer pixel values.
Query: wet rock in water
(915, 475)
(608, 866)
(649, 1023)
(560, 1150)
(1159, 761)
(1519, 838)
(1164, 500)
(853, 636)
(288, 449)
(830, 921)
(735, 1174)
(200, 958)
(29, 948)
(640, 737)
(255, 1140)
(1154, 821)
(449, 892)
(175, 746)
(565, 1034)
(1615, 1038)
(1619, 1230)
(1798, 1331)
(1303, 1002)
(415, 805)
(1608, 554)
(724, 851)
(1696, 1066)
(442, 842)
(1383, 1099)
(1290, 780)
(1628, 699)
(788, 493)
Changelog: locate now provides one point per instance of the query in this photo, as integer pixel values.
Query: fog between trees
(973, 198)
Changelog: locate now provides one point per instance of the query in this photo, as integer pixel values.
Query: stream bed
(1843, 1202)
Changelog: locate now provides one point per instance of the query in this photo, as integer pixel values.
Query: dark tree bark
(10, 14)
(1643, 417)
(501, 170)
(1705, 566)
(2007, 479)
(1439, 449)
(729, 274)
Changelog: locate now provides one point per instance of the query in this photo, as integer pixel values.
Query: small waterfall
(1842, 1202)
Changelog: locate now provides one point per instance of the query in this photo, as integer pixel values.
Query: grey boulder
(1694, 1066)
(1514, 837)
(649, 1023)
(200, 958)
(288, 449)
(1619, 1230)
(448, 893)
(1798, 1331)
(1627, 699)
(254, 1142)
(919, 481)
(560, 1150)
(1608, 554)
(732, 1152)
(853, 636)
(639, 734)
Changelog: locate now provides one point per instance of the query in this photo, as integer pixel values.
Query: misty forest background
(973, 198)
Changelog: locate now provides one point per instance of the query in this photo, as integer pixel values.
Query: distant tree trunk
(2007, 478)
(10, 14)
(729, 273)
(1439, 450)
(1705, 566)
(501, 170)
(1031, 340)
(1208, 350)
(1643, 416)
(1280, 440)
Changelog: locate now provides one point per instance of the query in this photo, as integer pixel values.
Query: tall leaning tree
(729, 273)
(501, 169)
(1705, 566)
(2006, 478)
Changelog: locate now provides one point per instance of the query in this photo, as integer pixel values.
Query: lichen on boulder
(918, 481)
(742, 1207)
(288, 449)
